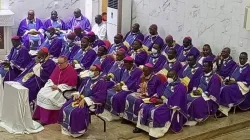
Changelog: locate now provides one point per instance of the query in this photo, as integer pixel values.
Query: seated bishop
(53, 42)
(157, 58)
(171, 63)
(115, 70)
(31, 22)
(203, 100)
(166, 109)
(127, 83)
(153, 38)
(74, 115)
(106, 61)
(118, 43)
(70, 48)
(186, 50)
(225, 64)
(138, 53)
(190, 74)
(149, 82)
(206, 54)
(85, 56)
(37, 73)
(79, 20)
(56, 22)
(236, 87)
(133, 35)
(171, 44)
(16, 61)
(50, 98)
(95, 42)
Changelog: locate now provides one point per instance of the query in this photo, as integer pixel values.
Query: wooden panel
(1, 37)
(104, 5)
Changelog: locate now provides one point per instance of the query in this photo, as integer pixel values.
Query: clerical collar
(242, 66)
(135, 33)
(152, 36)
(188, 48)
(33, 20)
(18, 47)
(155, 55)
(227, 58)
(172, 60)
(208, 74)
(79, 18)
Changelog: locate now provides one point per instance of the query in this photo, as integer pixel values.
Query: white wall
(216, 22)
(43, 8)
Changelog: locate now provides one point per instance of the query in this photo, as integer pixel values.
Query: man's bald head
(153, 29)
(225, 53)
(77, 13)
(135, 28)
(54, 15)
(31, 14)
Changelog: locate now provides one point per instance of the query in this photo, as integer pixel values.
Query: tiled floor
(118, 131)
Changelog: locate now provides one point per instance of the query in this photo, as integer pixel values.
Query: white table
(16, 115)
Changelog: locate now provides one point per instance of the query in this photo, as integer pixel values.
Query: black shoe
(137, 130)
(152, 138)
(124, 121)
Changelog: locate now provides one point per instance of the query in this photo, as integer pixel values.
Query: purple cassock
(19, 58)
(183, 53)
(105, 62)
(134, 100)
(115, 102)
(131, 37)
(176, 46)
(190, 76)
(226, 67)
(35, 82)
(235, 94)
(27, 25)
(75, 120)
(97, 43)
(171, 114)
(54, 45)
(140, 56)
(85, 58)
(201, 107)
(157, 61)
(115, 72)
(115, 47)
(209, 58)
(69, 52)
(58, 24)
(172, 65)
(82, 21)
(150, 40)
(33, 42)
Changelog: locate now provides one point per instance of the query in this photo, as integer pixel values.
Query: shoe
(152, 138)
(125, 121)
(137, 130)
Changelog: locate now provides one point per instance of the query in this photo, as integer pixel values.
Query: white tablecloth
(16, 115)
